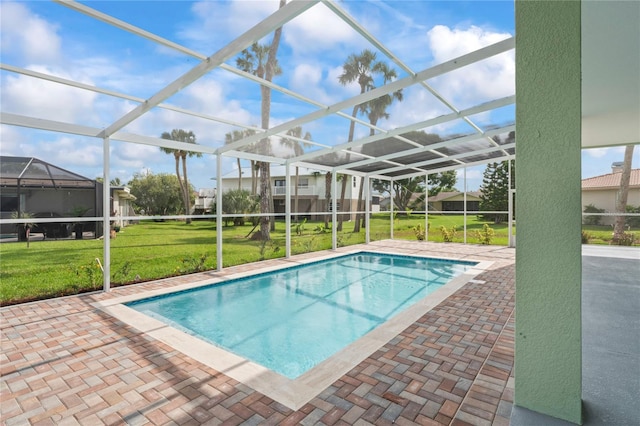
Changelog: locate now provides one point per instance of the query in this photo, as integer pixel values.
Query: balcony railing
(302, 190)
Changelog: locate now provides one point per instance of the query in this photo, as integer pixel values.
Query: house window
(303, 182)
(354, 181)
(280, 182)
(9, 202)
(331, 205)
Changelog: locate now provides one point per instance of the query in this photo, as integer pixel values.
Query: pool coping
(292, 393)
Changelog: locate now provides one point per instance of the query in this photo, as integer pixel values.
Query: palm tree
(260, 60)
(363, 69)
(180, 135)
(298, 149)
(234, 136)
(621, 204)
(375, 110)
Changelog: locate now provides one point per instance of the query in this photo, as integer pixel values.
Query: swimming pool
(291, 320)
(292, 393)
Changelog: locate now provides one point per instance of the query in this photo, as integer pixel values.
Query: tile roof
(611, 180)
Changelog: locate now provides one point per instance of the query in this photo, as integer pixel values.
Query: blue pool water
(290, 320)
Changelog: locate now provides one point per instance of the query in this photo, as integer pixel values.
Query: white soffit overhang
(610, 73)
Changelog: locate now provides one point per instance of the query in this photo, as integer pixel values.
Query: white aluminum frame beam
(371, 39)
(453, 157)
(444, 169)
(277, 19)
(453, 64)
(79, 7)
(415, 126)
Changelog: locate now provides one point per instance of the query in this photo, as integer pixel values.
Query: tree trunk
(176, 154)
(254, 178)
(343, 209)
(352, 128)
(361, 201)
(296, 196)
(186, 196)
(265, 189)
(327, 197)
(239, 175)
(621, 204)
(361, 206)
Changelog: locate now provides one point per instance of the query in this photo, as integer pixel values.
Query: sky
(51, 38)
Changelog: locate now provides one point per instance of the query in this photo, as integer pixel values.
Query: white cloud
(597, 152)
(446, 43)
(317, 29)
(217, 23)
(11, 140)
(489, 79)
(307, 79)
(27, 34)
(44, 99)
(603, 152)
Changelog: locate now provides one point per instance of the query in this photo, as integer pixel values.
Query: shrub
(192, 264)
(485, 235)
(633, 221)
(624, 239)
(419, 231)
(448, 234)
(585, 237)
(299, 227)
(592, 220)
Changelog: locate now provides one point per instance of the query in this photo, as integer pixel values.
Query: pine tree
(495, 190)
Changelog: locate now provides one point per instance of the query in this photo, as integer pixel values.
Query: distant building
(205, 201)
(446, 201)
(44, 190)
(122, 204)
(454, 202)
(603, 191)
(311, 190)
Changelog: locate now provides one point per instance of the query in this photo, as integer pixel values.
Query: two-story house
(311, 190)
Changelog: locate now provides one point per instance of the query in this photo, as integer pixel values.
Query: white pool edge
(292, 393)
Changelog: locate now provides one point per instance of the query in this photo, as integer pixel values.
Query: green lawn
(152, 250)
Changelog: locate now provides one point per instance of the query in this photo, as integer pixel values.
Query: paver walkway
(64, 362)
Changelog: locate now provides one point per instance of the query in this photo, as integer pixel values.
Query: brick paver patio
(64, 362)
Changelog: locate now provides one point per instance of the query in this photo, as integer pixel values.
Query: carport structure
(557, 115)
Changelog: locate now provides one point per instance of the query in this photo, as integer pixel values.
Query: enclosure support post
(426, 207)
(464, 204)
(218, 212)
(287, 210)
(367, 210)
(334, 213)
(510, 195)
(106, 211)
(391, 209)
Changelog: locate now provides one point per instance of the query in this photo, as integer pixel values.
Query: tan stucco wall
(606, 199)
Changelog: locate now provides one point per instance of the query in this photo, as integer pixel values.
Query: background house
(602, 191)
(122, 205)
(44, 190)
(311, 190)
(454, 202)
